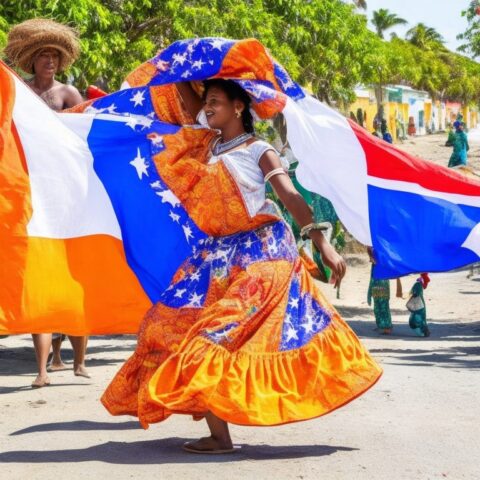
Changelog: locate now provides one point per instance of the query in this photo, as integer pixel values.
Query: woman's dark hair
(234, 92)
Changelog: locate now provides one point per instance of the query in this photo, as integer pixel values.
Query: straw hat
(26, 39)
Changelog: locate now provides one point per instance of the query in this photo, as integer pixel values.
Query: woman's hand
(330, 257)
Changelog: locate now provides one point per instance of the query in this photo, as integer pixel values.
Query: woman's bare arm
(193, 103)
(301, 213)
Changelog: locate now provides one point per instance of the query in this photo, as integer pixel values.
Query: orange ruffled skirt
(243, 332)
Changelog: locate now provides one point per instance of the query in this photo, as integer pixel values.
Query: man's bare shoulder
(70, 95)
(67, 89)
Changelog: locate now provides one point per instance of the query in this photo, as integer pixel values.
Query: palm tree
(383, 20)
(426, 38)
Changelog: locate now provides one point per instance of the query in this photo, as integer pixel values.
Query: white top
(244, 168)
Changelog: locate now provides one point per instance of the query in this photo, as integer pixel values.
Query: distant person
(385, 133)
(377, 124)
(379, 291)
(416, 306)
(43, 48)
(460, 146)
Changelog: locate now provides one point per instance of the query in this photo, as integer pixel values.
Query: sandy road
(421, 421)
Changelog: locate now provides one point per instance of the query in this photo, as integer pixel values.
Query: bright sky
(443, 15)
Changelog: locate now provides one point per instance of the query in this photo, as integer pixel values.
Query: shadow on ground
(441, 329)
(450, 357)
(20, 360)
(22, 388)
(78, 426)
(168, 450)
(452, 352)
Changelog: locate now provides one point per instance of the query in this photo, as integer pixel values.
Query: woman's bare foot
(209, 445)
(41, 381)
(219, 441)
(81, 371)
(57, 367)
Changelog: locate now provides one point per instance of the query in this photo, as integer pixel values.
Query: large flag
(91, 233)
(418, 216)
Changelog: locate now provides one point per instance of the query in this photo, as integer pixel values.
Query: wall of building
(405, 103)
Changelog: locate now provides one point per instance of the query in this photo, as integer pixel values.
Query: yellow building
(404, 105)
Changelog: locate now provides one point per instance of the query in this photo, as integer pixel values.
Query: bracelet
(305, 231)
(276, 171)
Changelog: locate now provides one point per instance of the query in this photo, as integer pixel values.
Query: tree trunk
(379, 98)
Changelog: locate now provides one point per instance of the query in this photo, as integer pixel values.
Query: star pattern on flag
(131, 122)
(217, 44)
(179, 292)
(216, 257)
(187, 231)
(294, 302)
(198, 64)
(248, 243)
(179, 58)
(174, 216)
(291, 333)
(195, 300)
(140, 165)
(192, 59)
(138, 98)
(308, 325)
(195, 276)
(112, 109)
(168, 196)
(304, 318)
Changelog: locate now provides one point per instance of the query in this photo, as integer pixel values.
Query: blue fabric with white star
(201, 58)
(215, 257)
(304, 318)
(157, 232)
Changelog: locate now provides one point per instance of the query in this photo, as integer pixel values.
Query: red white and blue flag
(91, 234)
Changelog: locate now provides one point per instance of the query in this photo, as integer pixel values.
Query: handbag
(414, 304)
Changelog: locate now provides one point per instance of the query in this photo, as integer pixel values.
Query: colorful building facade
(410, 112)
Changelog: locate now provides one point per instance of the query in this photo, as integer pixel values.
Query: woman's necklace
(221, 147)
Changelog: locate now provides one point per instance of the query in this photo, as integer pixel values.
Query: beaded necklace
(221, 147)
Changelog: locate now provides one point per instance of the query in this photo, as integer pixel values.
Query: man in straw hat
(44, 48)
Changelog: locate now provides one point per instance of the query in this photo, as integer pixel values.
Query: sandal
(191, 447)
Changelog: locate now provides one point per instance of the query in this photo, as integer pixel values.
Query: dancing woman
(257, 344)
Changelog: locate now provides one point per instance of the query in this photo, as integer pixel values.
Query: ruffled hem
(247, 388)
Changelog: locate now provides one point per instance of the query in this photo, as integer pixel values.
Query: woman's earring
(238, 113)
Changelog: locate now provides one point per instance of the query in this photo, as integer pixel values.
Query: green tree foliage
(471, 36)
(109, 32)
(324, 44)
(383, 20)
(425, 38)
(332, 43)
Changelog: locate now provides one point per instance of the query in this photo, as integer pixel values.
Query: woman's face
(219, 109)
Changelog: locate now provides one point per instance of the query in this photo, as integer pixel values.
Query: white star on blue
(304, 318)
